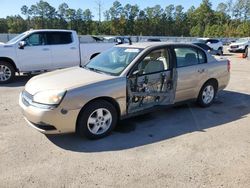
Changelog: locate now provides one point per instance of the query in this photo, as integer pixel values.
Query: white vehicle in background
(45, 50)
(213, 43)
(241, 46)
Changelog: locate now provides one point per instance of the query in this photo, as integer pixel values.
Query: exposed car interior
(150, 86)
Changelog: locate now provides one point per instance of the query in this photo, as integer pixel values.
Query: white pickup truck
(45, 50)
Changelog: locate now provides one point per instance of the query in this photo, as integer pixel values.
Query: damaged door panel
(152, 83)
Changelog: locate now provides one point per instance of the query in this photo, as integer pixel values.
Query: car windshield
(113, 61)
(241, 40)
(15, 39)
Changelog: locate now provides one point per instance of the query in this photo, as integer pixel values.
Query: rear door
(64, 49)
(192, 71)
(152, 81)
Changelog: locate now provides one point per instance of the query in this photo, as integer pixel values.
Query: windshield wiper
(94, 69)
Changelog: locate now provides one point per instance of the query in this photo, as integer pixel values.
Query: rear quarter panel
(218, 69)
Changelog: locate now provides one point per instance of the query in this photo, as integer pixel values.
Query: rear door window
(59, 38)
(188, 56)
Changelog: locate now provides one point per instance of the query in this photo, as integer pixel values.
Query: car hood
(64, 79)
(238, 43)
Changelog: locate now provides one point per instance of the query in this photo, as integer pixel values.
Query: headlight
(49, 97)
(241, 46)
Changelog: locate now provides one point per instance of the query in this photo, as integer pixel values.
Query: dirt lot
(184, 146)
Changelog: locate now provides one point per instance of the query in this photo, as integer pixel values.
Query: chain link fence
(88, 39)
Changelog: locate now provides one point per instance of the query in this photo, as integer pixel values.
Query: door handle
(45, 49)
(73, 48)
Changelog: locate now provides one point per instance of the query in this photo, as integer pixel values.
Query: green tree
(3, 26)
(16, 24)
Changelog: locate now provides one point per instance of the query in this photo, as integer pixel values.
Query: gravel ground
(183, 146)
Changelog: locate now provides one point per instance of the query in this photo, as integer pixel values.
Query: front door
(36, 55)
(152, 82)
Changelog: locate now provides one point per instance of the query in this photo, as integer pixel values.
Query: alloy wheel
(5, 73)
(99, 121)
(208, 94)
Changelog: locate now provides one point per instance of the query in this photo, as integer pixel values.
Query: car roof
(199, 43)
(144, 45)
(50, 30)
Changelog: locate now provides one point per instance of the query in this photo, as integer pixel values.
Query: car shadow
(18, 81)
(162, 125)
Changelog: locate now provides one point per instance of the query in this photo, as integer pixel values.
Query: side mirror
(21, 45)
(208, 42)
(119, 41)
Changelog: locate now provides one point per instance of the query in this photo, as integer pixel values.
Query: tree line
(230, 19)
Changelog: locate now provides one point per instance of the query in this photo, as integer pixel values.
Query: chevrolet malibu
(121, 82)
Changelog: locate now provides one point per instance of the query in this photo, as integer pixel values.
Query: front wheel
(220, 51)
(7, 72)
(97, 120)
(207, 95)
(246, 52)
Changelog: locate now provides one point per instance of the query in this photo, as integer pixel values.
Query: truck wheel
(97, 120)
(207, 94)
(7, 72)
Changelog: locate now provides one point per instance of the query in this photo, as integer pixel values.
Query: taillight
(228, 65)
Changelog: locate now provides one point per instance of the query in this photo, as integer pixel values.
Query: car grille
(27, 98)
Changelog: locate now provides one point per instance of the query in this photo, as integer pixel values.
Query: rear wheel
(207, 94)
(97, 120)
(7, 72)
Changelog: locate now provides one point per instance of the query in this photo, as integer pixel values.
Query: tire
(7, 72)
(97, 120)
(207, 94)
(220, 51)
(246, 52)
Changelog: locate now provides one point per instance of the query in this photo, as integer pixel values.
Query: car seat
(154, 66)
(190, 59)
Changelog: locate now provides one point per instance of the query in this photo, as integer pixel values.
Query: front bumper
(49, 121)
